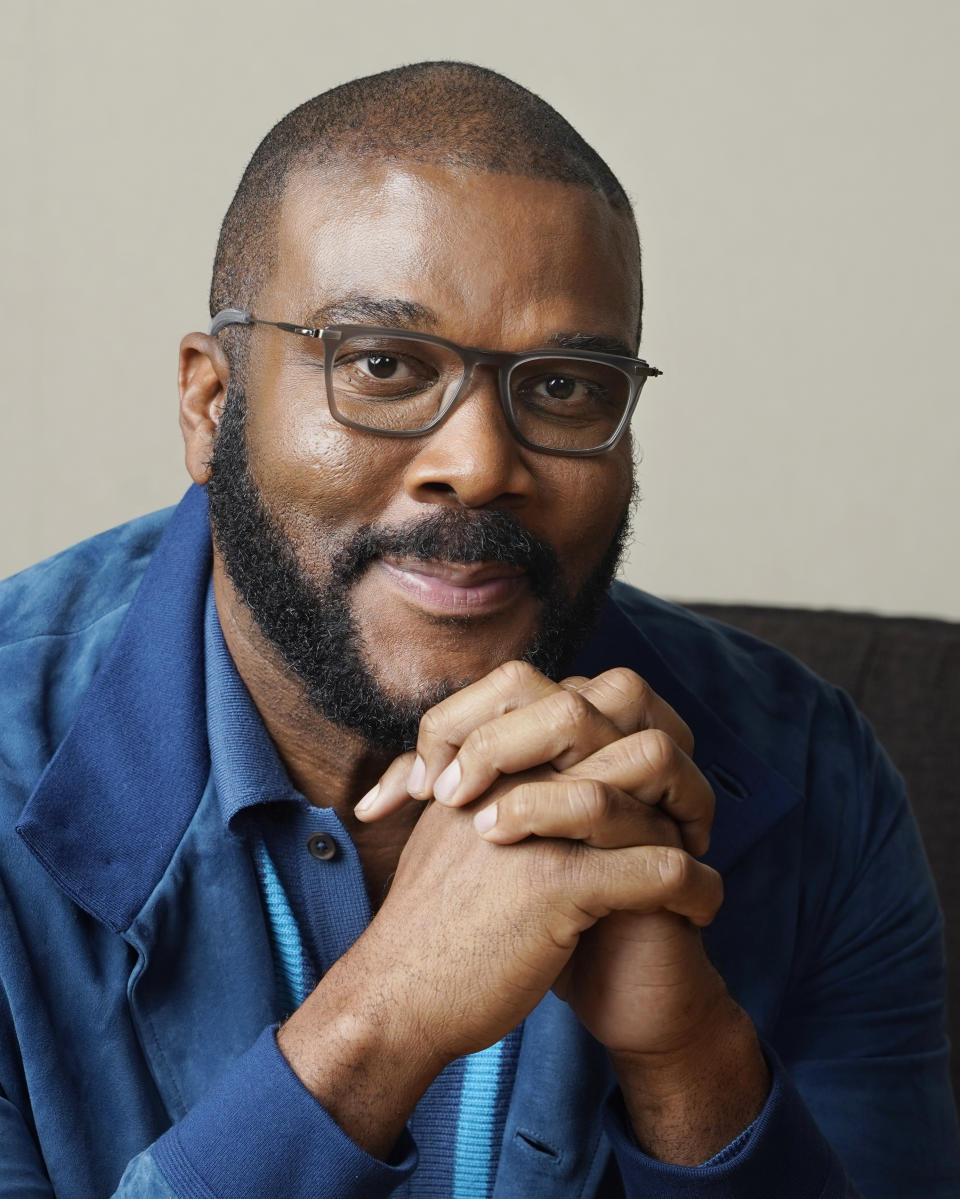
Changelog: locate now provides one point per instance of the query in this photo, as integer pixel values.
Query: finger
(389, 794)
(650, 766)
(561, 726)
(445, 727)
(645, 879)
(632, 704)
(577, 810)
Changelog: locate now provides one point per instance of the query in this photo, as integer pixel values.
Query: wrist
(363, 1060)
(690, 1100)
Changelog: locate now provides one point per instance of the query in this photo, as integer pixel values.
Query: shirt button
(322, 846)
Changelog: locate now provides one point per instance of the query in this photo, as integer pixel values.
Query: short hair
(447, 113)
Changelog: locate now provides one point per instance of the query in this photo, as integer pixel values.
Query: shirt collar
(245, 765)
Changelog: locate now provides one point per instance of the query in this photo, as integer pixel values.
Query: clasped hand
(561, 852)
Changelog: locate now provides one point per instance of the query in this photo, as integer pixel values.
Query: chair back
(904, 675)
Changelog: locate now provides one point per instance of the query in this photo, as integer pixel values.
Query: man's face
(389, 572)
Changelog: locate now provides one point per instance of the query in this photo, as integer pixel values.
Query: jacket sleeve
(258, 1132)
(862, 1031)
(861, 1102)
(783, 1153)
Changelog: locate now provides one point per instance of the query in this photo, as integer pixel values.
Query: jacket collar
(116, 798)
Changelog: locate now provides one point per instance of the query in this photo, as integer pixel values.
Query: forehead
(496, 259)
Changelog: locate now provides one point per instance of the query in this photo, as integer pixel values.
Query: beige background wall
(795, 173)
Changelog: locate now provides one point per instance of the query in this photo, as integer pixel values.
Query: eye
(566, 390)
(391, 371)
(559, 387)
(571, 392)
(381, 366)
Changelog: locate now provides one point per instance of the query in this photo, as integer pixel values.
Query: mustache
(452, 535)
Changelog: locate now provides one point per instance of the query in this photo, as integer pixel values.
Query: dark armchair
(904, 675)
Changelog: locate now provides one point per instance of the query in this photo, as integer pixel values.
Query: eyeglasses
(398, 383)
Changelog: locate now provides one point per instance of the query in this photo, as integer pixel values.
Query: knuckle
(629, 684)
(589, 803)
(480, 743)
(673, 869)
(658, 749)
(569, 706)
(523, 804)
(432, 722)
(515, 675)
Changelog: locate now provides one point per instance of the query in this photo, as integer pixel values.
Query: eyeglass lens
(399, 385)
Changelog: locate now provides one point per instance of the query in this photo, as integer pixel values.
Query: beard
(311, 625)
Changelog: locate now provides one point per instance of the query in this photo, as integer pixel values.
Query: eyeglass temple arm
(239, 316)
(229, 316)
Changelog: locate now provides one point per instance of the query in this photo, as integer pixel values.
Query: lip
(453, 588)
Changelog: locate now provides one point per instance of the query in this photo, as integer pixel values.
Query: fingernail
(417, 776)
(368, 800)
(485, 819)
(448, 782)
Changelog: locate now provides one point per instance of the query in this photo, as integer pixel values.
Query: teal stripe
(286, 936)
(473, 1153)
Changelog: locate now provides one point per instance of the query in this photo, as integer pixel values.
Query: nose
(472, 457)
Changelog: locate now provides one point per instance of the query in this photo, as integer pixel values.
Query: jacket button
(322, 846)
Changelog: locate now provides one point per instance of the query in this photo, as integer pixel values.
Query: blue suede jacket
(136, 981)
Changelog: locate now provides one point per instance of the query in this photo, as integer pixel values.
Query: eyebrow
(358, 309)
(592, 341)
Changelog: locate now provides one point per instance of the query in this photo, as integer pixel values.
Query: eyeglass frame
(637, 371)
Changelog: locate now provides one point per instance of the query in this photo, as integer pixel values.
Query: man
(391, 768)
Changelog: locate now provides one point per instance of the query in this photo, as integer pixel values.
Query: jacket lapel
(127, 778)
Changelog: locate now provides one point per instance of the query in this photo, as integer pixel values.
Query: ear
(203, 377)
